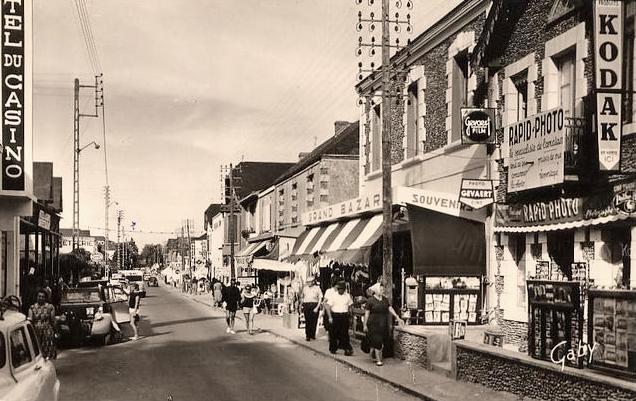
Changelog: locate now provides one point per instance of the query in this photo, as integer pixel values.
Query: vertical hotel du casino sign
(608, 58)
(16, 100)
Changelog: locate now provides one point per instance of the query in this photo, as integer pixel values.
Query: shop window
(628, 71)
(566, 67)
(460, 92)
(518, 250)
(412, 121)
(561, 250)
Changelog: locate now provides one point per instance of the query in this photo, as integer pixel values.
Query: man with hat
(310, 298)
(338, 307)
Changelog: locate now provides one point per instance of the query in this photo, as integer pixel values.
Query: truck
(135, 277)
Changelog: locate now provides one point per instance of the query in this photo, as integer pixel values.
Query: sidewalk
(408, 377)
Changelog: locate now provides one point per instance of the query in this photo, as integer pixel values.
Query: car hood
(79, 305)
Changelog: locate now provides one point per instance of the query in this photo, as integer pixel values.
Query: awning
(445, 245)
(244, 257)
(347, 242)
(563, 226)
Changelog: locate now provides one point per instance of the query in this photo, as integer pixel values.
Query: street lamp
(77, 152)
(107, 204)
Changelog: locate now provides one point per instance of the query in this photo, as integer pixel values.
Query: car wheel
(106, 340)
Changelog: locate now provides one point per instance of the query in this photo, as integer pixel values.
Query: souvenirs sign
(478, 125)
(536, 146)
(16, 167)
(608, 57)
(476, 193)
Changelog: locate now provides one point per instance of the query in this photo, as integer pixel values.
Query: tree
(128, 250)
(76, 265)
(151, 254)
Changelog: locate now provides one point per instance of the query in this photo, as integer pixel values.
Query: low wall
(411, 347)
(504, 370)
(514, 332)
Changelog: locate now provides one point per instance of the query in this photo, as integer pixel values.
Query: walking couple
(232, 298)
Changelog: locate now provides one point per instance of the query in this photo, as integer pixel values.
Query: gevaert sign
(476, 193)
(608, 57)
(536, 146)
(15, 88)
(367, 203)
(478, 125)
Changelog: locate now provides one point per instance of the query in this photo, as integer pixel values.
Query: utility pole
(387, 94)
(76, 149)
(124, 247)
(387, 199)
(232, 225)
(106, 240)
(181, 248)
(120, 216)
(189, 247)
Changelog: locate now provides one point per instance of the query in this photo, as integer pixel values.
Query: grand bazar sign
(536, 145)
(608, 57)
(368, 203)
(15, 71)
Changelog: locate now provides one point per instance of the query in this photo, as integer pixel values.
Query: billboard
(608, 58)
(16, 169)
(536, 145)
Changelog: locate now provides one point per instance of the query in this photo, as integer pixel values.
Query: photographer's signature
(572, 354)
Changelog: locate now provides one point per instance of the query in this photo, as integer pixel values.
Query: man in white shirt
(338, 307)
(310, 298)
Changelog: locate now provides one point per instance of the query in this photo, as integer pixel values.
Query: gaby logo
(560, 353)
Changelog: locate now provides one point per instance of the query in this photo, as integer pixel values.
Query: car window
(134, 278)
(34, 340)
(81, 295)
(20, 353)
(3, 351)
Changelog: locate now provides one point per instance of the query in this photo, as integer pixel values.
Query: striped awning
(245, 256)
(347, 242)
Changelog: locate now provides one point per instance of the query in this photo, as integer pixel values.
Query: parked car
(153, 282)
(85, 315)
(24, 373)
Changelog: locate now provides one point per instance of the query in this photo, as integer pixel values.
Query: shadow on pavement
(183, 321)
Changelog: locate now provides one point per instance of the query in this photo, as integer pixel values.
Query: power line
(86, 42)
(90, 35)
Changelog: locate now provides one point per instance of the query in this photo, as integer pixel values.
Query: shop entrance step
(443, 368)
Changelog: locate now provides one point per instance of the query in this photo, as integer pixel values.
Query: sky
(190, 86)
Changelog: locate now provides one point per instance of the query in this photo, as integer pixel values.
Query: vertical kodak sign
(608, 57)
(15, 92)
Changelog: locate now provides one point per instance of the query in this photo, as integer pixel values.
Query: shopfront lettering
(13, 137)
(553, 210)
(343, 209)
(560, 353)
(541, 125)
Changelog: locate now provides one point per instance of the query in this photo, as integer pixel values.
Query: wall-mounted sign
(438, 202)
(44, 220)
(367, 203)
(608, 57)
(478, 125)
(625, 198)
(16, 167)
(536, 146)
(476, 193)
(97, 257)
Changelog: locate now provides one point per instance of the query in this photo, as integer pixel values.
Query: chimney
(302, 155)
(340, 126)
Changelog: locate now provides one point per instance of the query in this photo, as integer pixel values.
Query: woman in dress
(247, 302)
(376, 320)
(42, 315)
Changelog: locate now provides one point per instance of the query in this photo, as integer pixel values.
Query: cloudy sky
(191, 85)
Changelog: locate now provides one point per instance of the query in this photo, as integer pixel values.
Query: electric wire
(90, 35)
(91, 58)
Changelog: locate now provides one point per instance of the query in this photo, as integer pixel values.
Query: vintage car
(153, 282)
(86, 313)
(25, 375)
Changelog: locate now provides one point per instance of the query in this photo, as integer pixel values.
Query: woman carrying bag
(376, 321)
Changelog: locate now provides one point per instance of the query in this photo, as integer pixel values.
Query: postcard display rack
(555, 314)
(451, 298)
(612, 329)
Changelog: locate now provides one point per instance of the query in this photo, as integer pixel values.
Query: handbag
(364, 345)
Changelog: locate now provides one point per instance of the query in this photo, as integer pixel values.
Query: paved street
(185, 353)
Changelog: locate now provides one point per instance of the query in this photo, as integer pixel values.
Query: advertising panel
(17, 164)
(478, 126)
(536, 145)
(476, 193)
(608, 58)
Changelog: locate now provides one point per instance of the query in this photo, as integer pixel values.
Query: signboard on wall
(608, 58)
(476, 193)
(478, 125)
(17, 165)
(367, 203)
(536, 146)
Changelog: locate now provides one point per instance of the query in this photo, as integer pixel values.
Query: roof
(10, 318)
(201, 237)
(210, 212)
(255, 176)
(345, 143)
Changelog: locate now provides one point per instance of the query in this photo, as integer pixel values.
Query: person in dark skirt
(376, 320)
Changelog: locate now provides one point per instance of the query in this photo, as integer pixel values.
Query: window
(521, 85)
(34, 340)
(460, 92)
(376, 142)
(567, 89)
(3, 351)
(628, 71)
(309, 198)
(412, 121)
(20, 353)
(518, 250)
